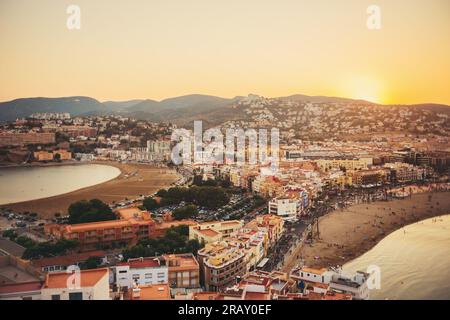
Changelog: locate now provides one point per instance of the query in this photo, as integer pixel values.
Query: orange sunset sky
(164, 48)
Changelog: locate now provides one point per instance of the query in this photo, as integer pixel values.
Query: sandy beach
(147, 179)
(346, 234)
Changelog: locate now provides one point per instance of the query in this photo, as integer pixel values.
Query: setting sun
(364, 88)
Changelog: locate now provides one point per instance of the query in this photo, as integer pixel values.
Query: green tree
(90, 211)
(197, 180)
(49, 249)
(162, 193)
(91, 263)
(186, 212)
(150, 204)
(176, 240)
(10, 234)
(25, 242)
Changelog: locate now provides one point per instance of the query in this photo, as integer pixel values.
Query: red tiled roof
(256, 296)
(151, 292)
(88, 278)
(21, 287)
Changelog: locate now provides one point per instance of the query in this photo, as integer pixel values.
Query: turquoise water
(414, 261)
(30, 183)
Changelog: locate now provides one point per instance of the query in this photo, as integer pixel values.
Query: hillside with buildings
(297, 116)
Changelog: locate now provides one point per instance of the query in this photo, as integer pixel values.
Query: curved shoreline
(347, 234)
(134, 179)
(68, 192)
(405, 226)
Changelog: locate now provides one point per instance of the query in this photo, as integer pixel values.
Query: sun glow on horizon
(158, 49)
(364, 88)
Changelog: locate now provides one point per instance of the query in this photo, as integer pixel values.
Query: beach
(348, 233)
(134, 180)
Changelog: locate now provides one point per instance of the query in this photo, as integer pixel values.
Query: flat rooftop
(10, 247)
(10, 274)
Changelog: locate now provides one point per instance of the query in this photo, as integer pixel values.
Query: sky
(157, 49)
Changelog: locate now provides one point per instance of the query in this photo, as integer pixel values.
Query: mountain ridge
(174, 108)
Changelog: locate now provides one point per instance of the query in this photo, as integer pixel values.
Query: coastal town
(219, 231)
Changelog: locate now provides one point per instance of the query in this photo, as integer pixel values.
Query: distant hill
(322, 99)
(434, 107)
(177, 108)
(118, 106)
(20, 108)
(181, 110)
(165, 110)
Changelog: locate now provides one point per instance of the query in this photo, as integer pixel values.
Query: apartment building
(208, 232)
(20, 139)
(43, 156)
(311, 275)
(355, 284)
(184, 270)
(127, 231)
(371, 177)
(347, 164)
(404, 172)
(262, 285)
(289, 209)
(323, 281)
(106, 232)
(267, 186)
(254, 243)
(51, 155)
(62, 154)
(141, 272)
(84, 285)
(159, 149)
(221, 263)
(51, 116)
(272, 224)
(78, 131)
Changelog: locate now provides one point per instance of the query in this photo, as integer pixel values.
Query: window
(56, 297)
(161, 274)
(148, 276)
(75, 296)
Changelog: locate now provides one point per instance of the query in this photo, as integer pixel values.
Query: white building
(355, 284)
(312, 275)
(286, 208)
(159, 149)
(141, 271)
(82, 285)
